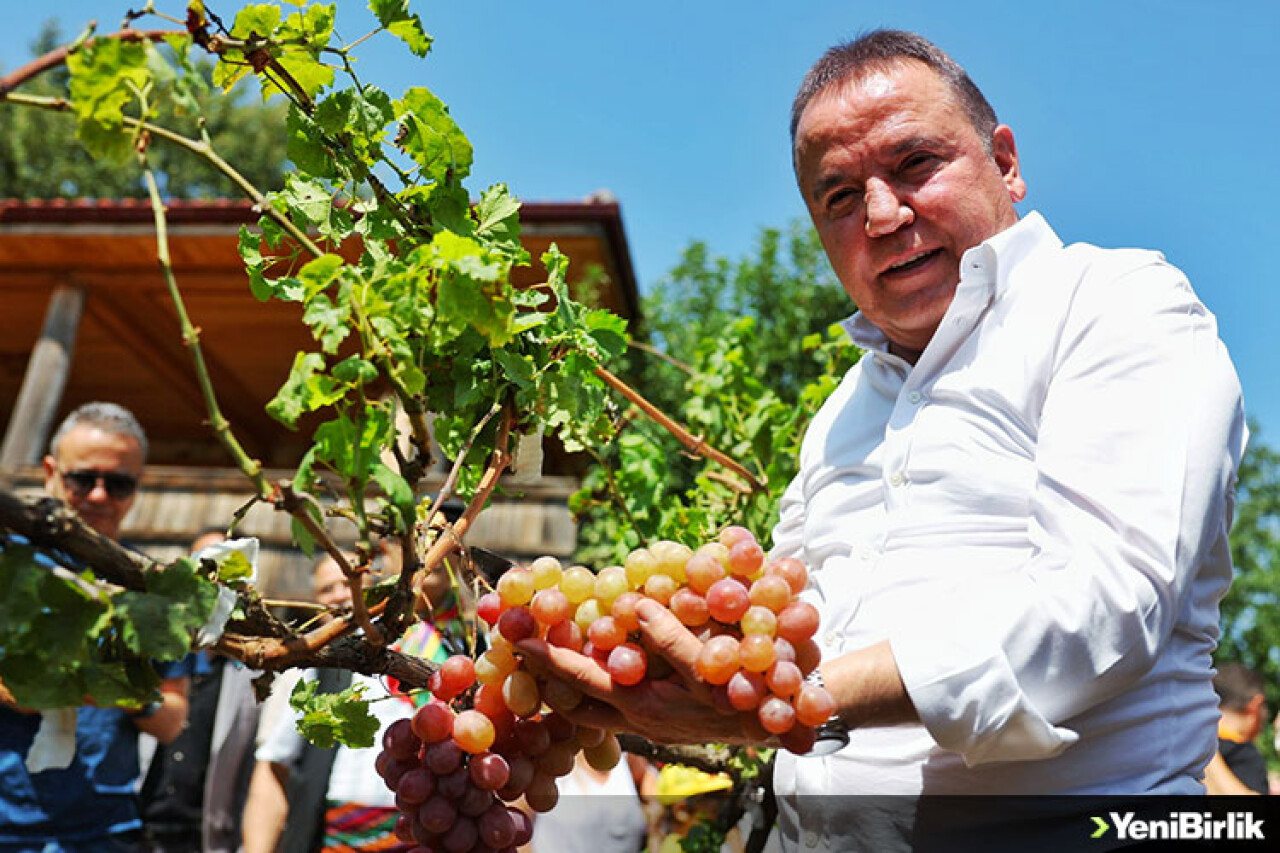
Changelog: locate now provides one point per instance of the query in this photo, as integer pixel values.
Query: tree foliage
(39, 157)
(1251, 609)
(745, 351)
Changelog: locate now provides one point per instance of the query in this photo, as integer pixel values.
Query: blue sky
(1150, 123)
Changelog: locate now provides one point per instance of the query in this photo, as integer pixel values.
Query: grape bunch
(453, 770)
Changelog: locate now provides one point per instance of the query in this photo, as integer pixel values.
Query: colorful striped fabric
(352, 828)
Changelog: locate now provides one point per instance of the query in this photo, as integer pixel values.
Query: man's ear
(1005, 152)
(50, 471)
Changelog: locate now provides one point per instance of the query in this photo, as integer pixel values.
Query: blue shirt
(93, 797)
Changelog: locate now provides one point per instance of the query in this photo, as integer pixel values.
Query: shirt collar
(987, 266)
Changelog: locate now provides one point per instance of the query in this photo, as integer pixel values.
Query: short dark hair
(881, 49)
(109, 417)
(1236, 685)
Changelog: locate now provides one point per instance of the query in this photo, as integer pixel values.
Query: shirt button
(829, 638)
(178, 756)
(915, 397)
(810, 839)
(897, 479)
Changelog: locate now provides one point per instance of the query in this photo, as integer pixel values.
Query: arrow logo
(1103, 826)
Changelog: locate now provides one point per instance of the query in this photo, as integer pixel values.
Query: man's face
(899, 185)
(330, 585)
(78, 475)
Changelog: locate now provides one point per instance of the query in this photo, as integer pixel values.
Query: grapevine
(424, 319)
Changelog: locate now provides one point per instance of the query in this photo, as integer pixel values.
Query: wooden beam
(159, 345)
(46, 378)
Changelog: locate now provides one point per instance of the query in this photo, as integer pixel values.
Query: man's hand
(678, 709)
(166, 723)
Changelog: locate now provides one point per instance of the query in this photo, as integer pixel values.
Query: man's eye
(917, 163)
(839, 200)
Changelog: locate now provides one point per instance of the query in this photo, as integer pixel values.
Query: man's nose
(886, 211)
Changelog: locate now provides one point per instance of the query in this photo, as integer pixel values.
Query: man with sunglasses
(95, 461)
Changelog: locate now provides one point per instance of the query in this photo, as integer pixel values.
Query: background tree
(1251, 609)
(744, 351)
(245, 132)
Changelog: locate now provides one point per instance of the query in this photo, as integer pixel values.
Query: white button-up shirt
(1035, 517)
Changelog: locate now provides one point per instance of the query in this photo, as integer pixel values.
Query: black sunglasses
(82, 482)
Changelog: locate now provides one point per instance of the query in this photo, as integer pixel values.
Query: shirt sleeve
(1140, 434)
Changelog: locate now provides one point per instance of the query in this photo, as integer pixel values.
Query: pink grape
(416, 785)
(660, 588)
(799, 739)
(488, 771)
(814, 705)
(727, 600)
(718, 660)
(566, 635)
(560, 695)
(702, 570)
(551, 606)
(798, 621)
(520, 775)
(394, 769)
(776, 715)
(497, 829)
(808, 655)
(792, 571)
(745, 558)
(784, 679)
(759, 620)
(771, 591)
(605, 633)
(689, 607)
(624, 610)
(517, 624)
(437, 814)
(605, 755)
(516, 586)
(746, 690)
(627, 664)
(443, 757)
(474, 732)
(532, 737)
(733, 534)
(524, 827)
(462, 836)
(453, 785)
(457, 673)
(489, 607)
(400, 741)
(542, 794)
(558, 759)
(520, 691)
(756, 653)
(475, 801)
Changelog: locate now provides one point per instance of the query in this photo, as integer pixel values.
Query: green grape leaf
(259, 19)
(431, 137)
(328, 719)
(306, 148)
(161, 622)
(355, 370)
(395, 16)
(398, 493)
(104, 75)
(498, 219)
(306, 390)
(235, 566)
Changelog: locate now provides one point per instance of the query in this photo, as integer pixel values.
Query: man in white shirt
(1015, 507)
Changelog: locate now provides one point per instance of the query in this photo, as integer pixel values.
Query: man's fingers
(578, 671)
(665, 634)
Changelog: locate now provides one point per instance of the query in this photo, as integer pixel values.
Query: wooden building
(85, 316)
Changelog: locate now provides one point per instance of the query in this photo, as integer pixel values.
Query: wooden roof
(128, 348)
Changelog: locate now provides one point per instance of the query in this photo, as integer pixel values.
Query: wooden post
(27, 435)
